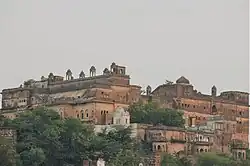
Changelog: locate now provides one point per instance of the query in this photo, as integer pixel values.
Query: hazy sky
(204, 40)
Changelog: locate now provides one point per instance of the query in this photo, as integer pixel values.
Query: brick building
(91, 98)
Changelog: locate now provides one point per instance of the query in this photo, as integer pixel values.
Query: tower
(68, 74)
(92, 71)
(149, 89)
(82, 75)
(214, 91)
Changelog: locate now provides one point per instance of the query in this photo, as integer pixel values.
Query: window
(82, 115)
(101, 112)
(117, 121)
(87, 115)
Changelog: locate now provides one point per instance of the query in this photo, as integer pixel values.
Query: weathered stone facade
(95, 99)
(92, 98)
(198, 107)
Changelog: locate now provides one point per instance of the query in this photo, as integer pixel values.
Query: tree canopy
(151, 114)
(215, 159)
(7, 152)
(44, 139)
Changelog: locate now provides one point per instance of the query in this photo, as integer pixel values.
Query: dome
(106, 70)
(92, 68)
(149, 87)
(68, 71)
(51, 74)
(82, 74)
(182, 80)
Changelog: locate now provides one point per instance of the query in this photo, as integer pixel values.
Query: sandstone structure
(92, 99)
(214, 122)
(225, 115)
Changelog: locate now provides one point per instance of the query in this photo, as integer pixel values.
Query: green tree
(7, 152)
(213, 159)
(170, 160)
(44, 139)
(152, 114)
(118, 148)
(174, 160)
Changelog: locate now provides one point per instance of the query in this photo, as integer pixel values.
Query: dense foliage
(44, 139)
(7, 152)
(174, 160)
(208, 159)
(152, 114)
(204, 159)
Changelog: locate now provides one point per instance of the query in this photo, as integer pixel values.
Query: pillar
(193, 122)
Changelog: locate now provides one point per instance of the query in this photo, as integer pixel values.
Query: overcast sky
(204, 40)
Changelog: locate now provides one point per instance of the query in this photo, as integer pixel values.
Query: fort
(212, 121)
(91, 98)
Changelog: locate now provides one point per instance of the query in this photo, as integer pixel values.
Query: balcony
(203, 143)
(158, 139)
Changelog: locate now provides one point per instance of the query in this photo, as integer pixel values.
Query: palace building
(90, 98)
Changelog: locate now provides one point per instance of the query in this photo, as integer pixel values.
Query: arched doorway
(214, 109)
(239, 155)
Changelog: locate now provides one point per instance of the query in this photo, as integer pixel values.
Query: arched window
(159, 147)
(214, 109)
(239, 155)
